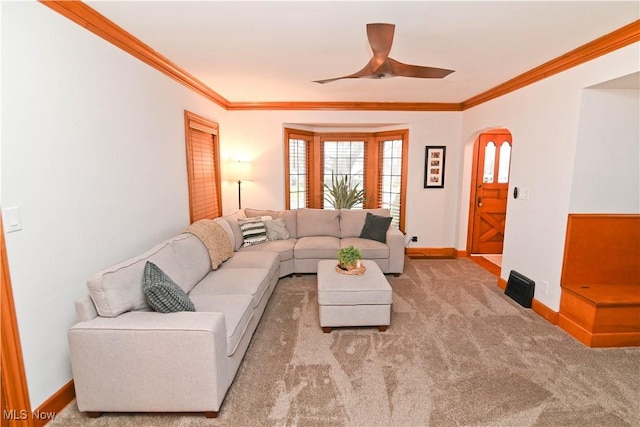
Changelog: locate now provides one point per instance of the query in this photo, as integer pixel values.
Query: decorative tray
(358, 271)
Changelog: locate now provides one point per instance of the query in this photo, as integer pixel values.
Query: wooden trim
(601, 46)
(486, 264)
(89, 18)
(98, 24)
(502, 283)
(347, 106)
(601, 249)
(544, 311)
(54, 405)
(461, 254)
(430, 252)
(15, 392)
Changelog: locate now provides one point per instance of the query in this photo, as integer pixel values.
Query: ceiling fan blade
(380, 38)
(367, 71)
(406, 70)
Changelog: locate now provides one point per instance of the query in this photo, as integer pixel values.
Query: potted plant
(341, 195)
(349, 257)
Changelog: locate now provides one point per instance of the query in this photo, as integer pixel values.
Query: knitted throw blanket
(214, 238)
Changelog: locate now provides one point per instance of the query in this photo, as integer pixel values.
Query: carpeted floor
(458, 352)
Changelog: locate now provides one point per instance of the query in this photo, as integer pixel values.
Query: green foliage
(341, 195)
(349, 256)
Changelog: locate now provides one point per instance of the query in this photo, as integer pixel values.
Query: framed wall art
(434, 159)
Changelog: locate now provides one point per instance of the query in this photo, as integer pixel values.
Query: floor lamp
(239, 171)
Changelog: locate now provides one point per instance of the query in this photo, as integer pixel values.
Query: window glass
(489, 163)
(391, 174)
(343, 158)
(297, 173)
(503, 166)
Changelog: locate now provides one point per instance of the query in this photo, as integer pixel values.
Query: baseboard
(544, 311)
(430, 252)
(54, 405)
(502, 283)
(461, 254)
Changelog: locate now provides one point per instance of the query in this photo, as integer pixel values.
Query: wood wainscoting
(600, 301)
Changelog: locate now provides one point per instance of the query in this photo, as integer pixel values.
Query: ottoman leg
(326, 329)
(382, 328)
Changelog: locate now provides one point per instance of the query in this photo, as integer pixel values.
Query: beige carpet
(458, 352)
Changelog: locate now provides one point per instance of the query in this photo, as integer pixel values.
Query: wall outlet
(414, 238)
(545, 287)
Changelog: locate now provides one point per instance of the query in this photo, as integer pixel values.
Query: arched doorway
(489, 192)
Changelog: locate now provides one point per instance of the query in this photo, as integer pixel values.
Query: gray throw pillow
(375, 227)
(162, 293)
(276, 229)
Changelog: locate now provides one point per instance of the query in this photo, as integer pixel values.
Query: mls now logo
(23, 414)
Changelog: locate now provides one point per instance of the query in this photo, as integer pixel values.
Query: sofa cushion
(371, 249)
(318, 222)
(116, 289)
(235, 281)
(162, 293)
(276, 229)
(284, 248)
(290, 218)
(352, 220)
(375, 227)
(317, 247)
(232, 220)
(193, 257)
(253, 231)
(237, 310)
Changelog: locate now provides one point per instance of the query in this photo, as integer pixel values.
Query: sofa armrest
(149, 362)
(395, 241)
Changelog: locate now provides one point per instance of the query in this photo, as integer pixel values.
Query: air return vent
(520, 289)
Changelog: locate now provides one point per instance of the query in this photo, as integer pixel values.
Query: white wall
(93, 154)
(606, 173)
(431, 213)
(543, 119)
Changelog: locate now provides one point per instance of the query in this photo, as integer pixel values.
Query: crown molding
(601, 46)
(349, 105)
(89, 18)
(92, 20)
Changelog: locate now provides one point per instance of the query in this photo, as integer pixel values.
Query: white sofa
(126, 357)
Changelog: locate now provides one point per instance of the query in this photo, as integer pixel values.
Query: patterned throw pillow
(253, 231)
(276, 229)
(162, 293)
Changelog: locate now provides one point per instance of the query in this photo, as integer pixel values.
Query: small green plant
(341, 195)
(349, 256)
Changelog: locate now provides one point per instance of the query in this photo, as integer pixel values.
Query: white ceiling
(269, 51)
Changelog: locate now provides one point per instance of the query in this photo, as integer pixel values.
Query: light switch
(11, 219)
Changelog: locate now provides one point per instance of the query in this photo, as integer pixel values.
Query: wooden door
(491, 181)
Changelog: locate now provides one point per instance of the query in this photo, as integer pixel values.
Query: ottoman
(352, 300)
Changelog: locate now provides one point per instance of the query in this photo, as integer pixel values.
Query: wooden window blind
(203, 167)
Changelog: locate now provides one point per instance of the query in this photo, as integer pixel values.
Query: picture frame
(434, 163)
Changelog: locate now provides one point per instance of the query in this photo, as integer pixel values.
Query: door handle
(479, 201)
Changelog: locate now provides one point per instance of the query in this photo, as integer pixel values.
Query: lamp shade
(238, 171)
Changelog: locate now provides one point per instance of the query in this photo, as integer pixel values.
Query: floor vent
(520, 289)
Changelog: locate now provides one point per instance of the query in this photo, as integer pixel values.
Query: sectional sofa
(126, 357)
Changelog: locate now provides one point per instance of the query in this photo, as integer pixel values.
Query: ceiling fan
(382, 66)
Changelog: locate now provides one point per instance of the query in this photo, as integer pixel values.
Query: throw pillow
(162, 293)
(253, 231)
(375, 227)
(276, 229)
